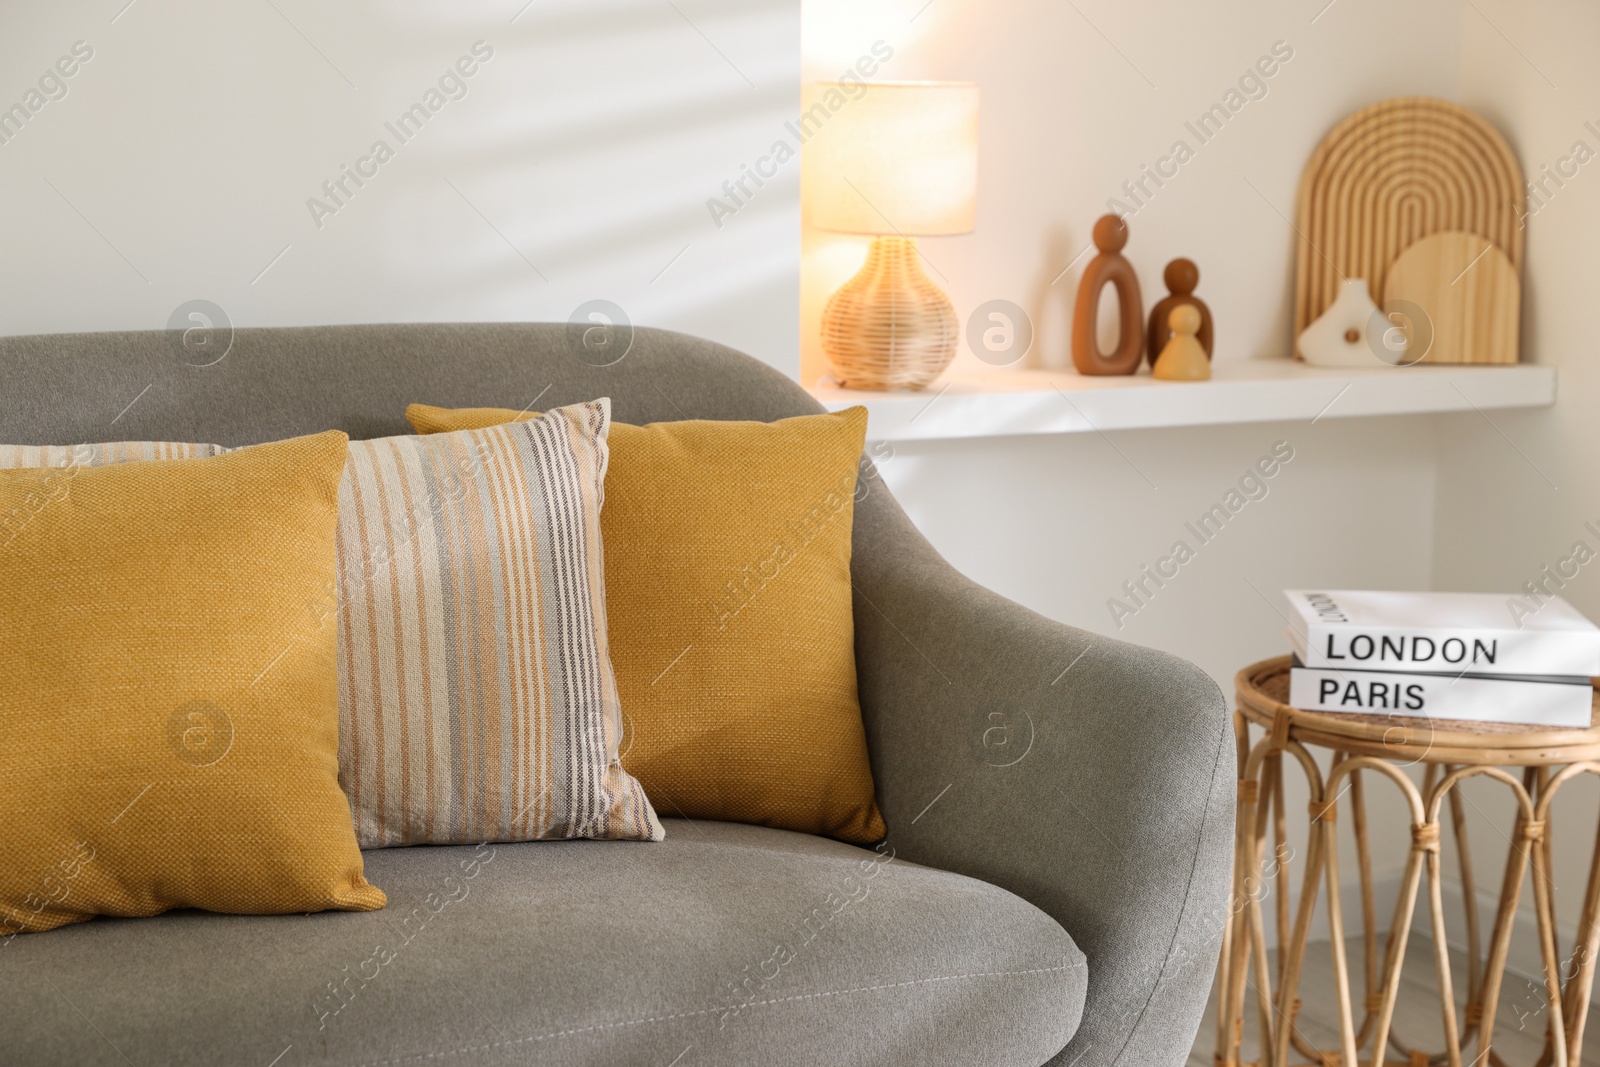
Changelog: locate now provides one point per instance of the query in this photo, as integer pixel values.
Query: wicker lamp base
(889, 327)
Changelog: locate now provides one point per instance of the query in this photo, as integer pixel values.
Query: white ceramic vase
(1352, 332)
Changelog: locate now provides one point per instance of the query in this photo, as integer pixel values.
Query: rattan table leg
(1581, 984)
(1294, 959)
(1505, 914)
(1516, 869)
(1394, 954)
(1469, 895)
(1500, 940)
(1229, 1008)
(1544, 911)
(1226, 1048)
(1404, 908)
(1535, 783)
(1544, 779)
(1297, 1040)
(1322, 821)
(1230, 1011)
(1265, 1023)
(1441, 946)
(1279, 841)
(1430, 778)
(1574, 1001)
(1369, 925)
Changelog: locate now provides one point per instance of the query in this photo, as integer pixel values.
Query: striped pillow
(476, 695)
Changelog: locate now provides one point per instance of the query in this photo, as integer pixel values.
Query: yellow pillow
(727, 563)
(169, 717)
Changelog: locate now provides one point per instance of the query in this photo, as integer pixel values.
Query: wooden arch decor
(1390, 175)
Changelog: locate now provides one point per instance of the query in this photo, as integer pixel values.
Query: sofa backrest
(283, 381)
(278, 382)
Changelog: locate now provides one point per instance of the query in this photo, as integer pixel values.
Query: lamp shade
(891, 158)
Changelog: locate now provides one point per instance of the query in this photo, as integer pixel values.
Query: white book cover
(1442, 632)
(1443, 696)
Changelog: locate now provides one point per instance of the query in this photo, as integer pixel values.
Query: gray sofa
(1052, 889)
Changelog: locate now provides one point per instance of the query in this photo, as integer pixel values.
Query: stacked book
(1442, 656)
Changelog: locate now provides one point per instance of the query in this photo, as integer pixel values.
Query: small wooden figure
(1108, 268)
(1181, 277)
(1183, 359)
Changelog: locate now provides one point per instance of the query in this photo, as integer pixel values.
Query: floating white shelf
(1002, 402)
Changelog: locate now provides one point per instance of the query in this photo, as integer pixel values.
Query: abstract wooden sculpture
(1469, 291)
(1108, 268)
(1389, 176)
(1181, 277)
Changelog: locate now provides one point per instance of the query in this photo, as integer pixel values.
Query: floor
(1518, 1029)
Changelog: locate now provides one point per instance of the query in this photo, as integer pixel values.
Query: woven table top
(1263, 689)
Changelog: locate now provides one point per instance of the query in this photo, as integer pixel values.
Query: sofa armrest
(1091, 777)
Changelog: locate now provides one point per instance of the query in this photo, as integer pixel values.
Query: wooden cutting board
(1469, 291)
(1390, 175)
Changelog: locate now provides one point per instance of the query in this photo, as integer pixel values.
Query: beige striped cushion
(476, 695)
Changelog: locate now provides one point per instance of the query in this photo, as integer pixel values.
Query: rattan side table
(1381, 745)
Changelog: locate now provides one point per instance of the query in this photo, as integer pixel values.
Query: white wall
(1059, 523)
(1515, 498)
(1075, 98)
(1452, 502)
(577, 166)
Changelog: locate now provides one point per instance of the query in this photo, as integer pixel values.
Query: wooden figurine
(1181, 277)
(1108, 268)
(1183, 359)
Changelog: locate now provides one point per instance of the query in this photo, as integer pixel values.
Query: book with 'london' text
(1440, 633)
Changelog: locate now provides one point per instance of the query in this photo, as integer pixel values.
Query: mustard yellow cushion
(727, 571)
(169, 715)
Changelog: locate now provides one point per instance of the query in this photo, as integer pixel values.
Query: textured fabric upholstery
(1117, 823)
(568, 953)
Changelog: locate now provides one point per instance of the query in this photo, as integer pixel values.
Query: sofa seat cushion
(724, 944)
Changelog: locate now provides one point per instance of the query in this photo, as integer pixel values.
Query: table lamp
(898, 161)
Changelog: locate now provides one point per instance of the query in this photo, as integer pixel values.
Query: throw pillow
(476, 695)
(727, 574)
(478, 699)
(169, 720)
